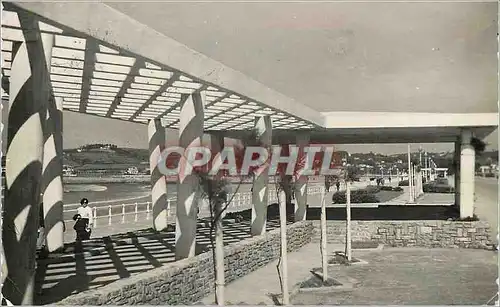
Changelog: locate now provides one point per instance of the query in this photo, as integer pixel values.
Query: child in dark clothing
(80, 227)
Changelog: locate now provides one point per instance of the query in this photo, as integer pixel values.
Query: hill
(106, 156)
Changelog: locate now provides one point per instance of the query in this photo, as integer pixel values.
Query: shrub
(432, 188)
(357, 196)
(398, 189)
(372, 189)
(403, 183)
(489, 175)
(472, 218)
(386, 188)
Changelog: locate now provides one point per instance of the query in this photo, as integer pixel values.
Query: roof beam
(112, 26)
(153, 97)
(91, 48)
(134, 71)
(218, 99)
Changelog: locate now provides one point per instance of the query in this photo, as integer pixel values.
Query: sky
(441, 57)
(81, 129)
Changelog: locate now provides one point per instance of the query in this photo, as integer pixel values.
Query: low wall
(107, 179)
(411, 233)
(189, 280)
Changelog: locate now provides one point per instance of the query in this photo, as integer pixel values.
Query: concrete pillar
(156, 136)
(263, 129)
(52, 185)
(457, 172)
(301, 182)
(467, 162)
(29, 93)
(188, 193)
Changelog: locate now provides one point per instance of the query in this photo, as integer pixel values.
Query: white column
(29, 93)
(301, 182)
(188, 193)
(467, 161)
(156, 135)
(457, 171)
(52, 177)
(263, 129)
(52, 187)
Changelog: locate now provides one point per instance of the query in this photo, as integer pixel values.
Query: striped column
(301, 181)
(188, 193)
(156, 134)
(52, 186)
(263, 129)
(29, 94)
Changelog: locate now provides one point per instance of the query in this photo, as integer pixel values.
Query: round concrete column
(301, 182)
(52, 177)
(457, 171)
(467, 162)
(52, 186)
(263, 128)
(188, 193)
(29, 93)
(156, 135)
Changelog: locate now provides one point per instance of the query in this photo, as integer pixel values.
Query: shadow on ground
(98, 262)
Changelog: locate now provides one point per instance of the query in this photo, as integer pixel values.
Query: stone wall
(189, 280)
(411, 233)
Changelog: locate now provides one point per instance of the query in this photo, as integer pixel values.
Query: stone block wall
(189, 280)
(444, 234)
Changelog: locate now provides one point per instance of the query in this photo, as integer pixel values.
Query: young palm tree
(217, 190)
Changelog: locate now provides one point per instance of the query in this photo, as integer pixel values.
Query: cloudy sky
(388, 57)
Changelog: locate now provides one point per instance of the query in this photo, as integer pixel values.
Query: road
(486, 206)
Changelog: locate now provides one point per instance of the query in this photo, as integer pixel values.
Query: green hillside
(115, 156)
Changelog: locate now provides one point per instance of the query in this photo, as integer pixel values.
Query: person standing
(81, 229)
(85, 213)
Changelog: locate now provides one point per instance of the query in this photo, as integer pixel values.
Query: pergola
(99, 61)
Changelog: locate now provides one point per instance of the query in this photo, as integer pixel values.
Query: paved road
(486, 206)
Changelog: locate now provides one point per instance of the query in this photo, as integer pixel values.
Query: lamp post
(426, 162)
(420, 155)
(410, 181)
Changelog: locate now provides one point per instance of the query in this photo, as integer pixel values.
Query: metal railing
(240, 201)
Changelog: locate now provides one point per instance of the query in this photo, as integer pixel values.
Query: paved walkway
(392, 276)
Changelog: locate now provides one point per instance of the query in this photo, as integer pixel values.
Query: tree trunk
(284, 262)
(219, 256)
(348, 220)
(324, 252)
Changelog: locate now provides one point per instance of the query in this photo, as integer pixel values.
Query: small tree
(216, 189)
(283, 184)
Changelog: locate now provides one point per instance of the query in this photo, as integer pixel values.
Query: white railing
(240, 201)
